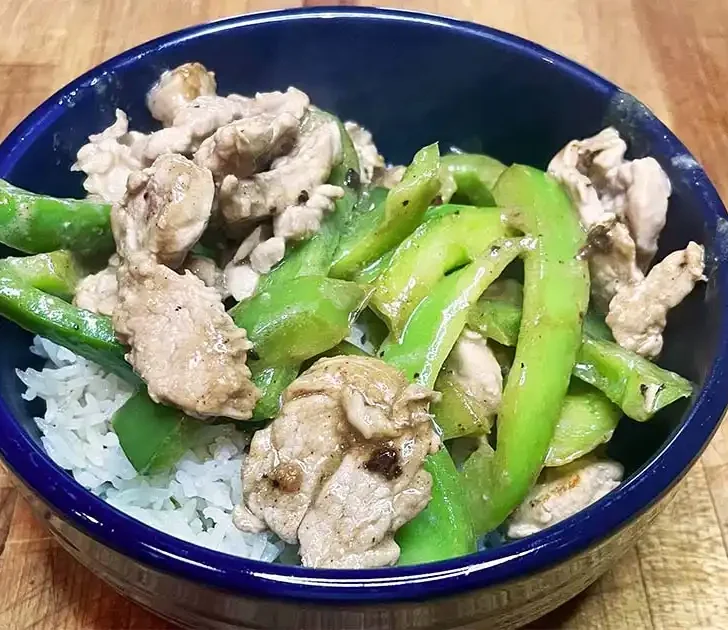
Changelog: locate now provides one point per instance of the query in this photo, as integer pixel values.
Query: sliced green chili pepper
(472, 177)
(152, 436)
(346, 175)
(301, 318)
(437, 322)
(588, 419)
(443, 529)
(372, 234)
(271, 381)
(36, 224)
(57, 273)
(428, 338)
(596, 327)
(435, 248)
(500, 318)
(443, 210)
(639, 387)
(457, 413)
(556, 295)
(371, 274)
(85, 333)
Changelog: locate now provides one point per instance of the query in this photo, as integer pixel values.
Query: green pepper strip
(372, 234)
(444, 528)
(270, 381)
(301, 319)
(472, 176)
(556, 295)
(152, 436)
(497, 315)
(346, 175)
(588, 419)
(639, 387)
(437, 322)
(55, 273)
(458, 414)
(22, 301)
(35, 223)
(435, 248)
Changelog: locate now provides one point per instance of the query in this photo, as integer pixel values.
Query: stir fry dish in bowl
(262, 338)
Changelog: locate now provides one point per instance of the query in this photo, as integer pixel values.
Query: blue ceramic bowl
(412, 79)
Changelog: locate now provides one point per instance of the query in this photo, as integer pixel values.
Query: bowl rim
(167, 554)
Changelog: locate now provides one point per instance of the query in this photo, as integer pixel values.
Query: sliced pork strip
(248, 146)
(647, 190)
(476, 370)
(307, 166)
(638, 313)
(562, 492)
(340, 469)
(304, 220)
(612, 261)
(206, 269)
(98, 292)
(622, 203)
(177, 87)
(182, 342)
(198, 119)
(582, 167)
(109, 158)
(167, 208)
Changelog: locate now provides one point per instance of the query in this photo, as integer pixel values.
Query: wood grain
(673, 54)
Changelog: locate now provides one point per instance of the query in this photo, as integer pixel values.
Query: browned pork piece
(182, 342)
(623, 201)
(340, 469)
(109, 158)
(638, 313)
(200, 118)
(623, 206)
(562, 492)
(177, 87)
(291, 178)
(99, 292)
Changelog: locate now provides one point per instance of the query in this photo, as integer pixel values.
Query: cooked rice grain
(193, 501)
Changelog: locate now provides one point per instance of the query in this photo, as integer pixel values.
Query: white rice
(193, 501)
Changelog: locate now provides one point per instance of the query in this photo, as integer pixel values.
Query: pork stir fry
(256, 259)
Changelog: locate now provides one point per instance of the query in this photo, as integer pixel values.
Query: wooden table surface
(673, 54)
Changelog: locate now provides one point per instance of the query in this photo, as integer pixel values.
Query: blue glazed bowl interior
(411, 80)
